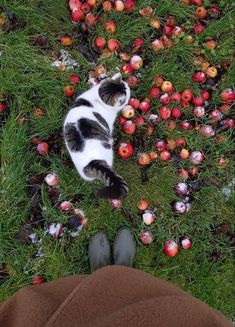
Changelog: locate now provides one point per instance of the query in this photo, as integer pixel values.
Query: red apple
(183, 174)
(177, 31)
(198, 101)
(179, 207)
(119, 5)
(65, 205)
(110, 27)
(171, 248)
(121, 120)
(214, 11)
(107, 5)
(171, 124)
(134, 103)
(136, 62)
(128, 111)
(185, 125)
(187, 95)
(129, 127)
(143, 159)
(207, 130)
(227, 95)
(160, 145)
(167, 87)
(138, 43)
(2, 106)
(170, 21)
(69, 90)
(186, 242)
(125, 150)
(157, 45)
(210, 44)
(176, 97)
(196, 157)
(75, 79)
(132, 81)
(154, 92)
(143, 204)
(165, 155)
(66, 40)
(146, 237)
(153, 155)
(176, 113)
(199, 77)
(181, 188)
(127, 69)
(230, 123)
(90, 19)
(75, 4)
(100, 42)
(164, 112)
(205, 94)
(201, 12)
(159, 80)
(165, 99)
(113, 45)
(43, 148)
(51, 180)
(180, 142)
(199, 112)
(144, 105)
(77, 15)
(129, 5)
(216, 115)
(184, 154)
(91, 3)
(198, 28)
(148, 218)
(139, 121)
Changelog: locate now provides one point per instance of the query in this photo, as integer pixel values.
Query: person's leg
(99, 251)
(124, 248)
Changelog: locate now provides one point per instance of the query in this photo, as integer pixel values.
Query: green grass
(29, 81)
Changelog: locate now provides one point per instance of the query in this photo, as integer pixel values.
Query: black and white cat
(88, 131)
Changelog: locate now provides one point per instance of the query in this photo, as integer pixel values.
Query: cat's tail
(116, 187)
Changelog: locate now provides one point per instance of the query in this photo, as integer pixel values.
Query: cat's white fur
(93, 149)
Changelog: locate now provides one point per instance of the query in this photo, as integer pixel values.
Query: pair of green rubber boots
(124, 250)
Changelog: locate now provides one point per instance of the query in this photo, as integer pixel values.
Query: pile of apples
(170, 247)
(162, 104)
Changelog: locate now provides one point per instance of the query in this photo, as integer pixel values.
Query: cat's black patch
(82, 102)
(106, 145)
(101, 119)
(90, 129)
(73, 138)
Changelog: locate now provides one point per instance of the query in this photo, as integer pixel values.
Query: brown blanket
(112, 296)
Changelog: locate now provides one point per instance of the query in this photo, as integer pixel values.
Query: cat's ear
(117, 78)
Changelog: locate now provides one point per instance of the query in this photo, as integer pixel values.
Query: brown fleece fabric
(111, 296)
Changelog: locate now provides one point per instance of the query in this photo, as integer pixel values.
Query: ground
(28, 81)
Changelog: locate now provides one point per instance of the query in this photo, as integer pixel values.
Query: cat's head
(114, 92)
